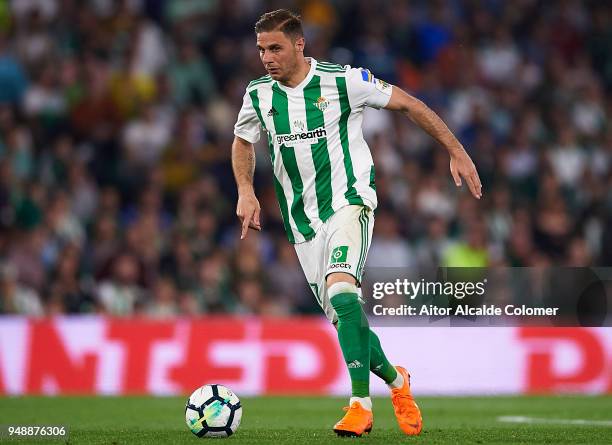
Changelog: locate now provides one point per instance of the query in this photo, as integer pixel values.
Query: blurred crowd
(116, 117)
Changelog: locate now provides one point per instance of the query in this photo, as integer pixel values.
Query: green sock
(354, 337)
(379, 364)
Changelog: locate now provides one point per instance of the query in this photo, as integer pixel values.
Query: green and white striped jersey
(320, 159)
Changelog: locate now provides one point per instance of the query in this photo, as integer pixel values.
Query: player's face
(279, 54)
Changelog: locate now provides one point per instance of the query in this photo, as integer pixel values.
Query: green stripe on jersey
(345, 107)
(320, 153)
(363, 223)
(281, 126)
(330, 65)
(263, 79)
(278, 188)
(329, 71)
(372, 177)
(280, 196)
(255, 99)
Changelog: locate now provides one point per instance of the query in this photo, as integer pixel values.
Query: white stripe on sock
(341, 287)
(366, 402)
(398, 382)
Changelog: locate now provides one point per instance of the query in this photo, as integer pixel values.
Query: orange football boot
(406, 410)
(355, 422)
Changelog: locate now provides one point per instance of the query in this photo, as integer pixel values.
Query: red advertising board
(94, 355)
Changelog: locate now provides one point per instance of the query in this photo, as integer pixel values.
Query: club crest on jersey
(321, 103)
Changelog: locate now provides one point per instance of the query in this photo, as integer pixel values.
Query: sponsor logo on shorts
(340, 266)
(339, 254)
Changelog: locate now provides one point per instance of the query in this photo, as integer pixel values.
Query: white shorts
(340, 245)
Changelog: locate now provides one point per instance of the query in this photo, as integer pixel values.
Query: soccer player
(311, 112)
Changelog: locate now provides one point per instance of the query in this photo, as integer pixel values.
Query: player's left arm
(461, 164)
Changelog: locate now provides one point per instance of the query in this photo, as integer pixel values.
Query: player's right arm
(246, 133)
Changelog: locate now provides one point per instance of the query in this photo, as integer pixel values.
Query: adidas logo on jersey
(272, 112)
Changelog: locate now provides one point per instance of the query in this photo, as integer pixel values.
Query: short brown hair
(282, 20)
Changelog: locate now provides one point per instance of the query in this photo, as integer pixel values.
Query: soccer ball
(213, 411)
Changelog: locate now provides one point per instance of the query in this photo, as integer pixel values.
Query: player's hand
(461, 165)
(248, 212)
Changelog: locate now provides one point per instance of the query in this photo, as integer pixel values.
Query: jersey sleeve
(366, 90)
(247, 126)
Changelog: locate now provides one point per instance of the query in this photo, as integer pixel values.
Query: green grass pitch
(308, 420)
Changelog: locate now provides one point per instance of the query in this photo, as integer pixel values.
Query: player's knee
(343, 297)
(340, 277)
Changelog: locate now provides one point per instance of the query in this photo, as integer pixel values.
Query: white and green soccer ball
(213, 411)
